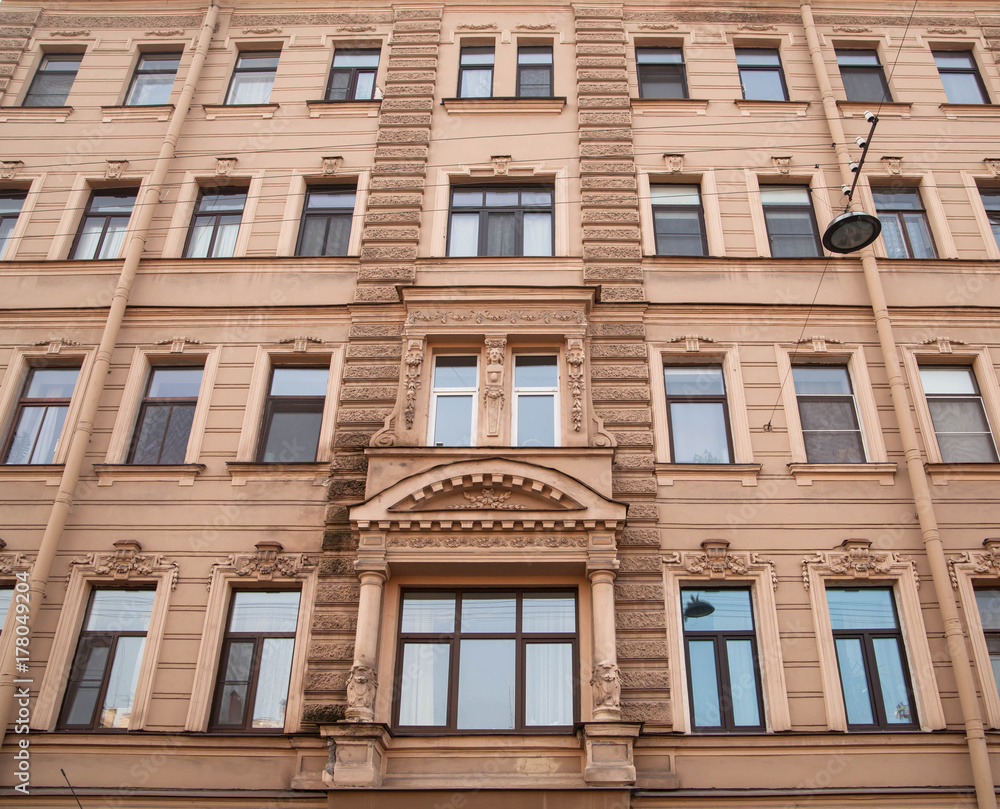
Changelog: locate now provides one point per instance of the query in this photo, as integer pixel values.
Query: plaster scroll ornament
(493, 390)
(171, 33)
(606, 682)
(574, 359)
(488, 498)
(11, 563)
(414, 362)
(979, 563)
(268, 562)
(127, 562)
(361, 686)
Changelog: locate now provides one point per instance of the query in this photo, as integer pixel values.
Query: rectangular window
(991, 202)
(720, 647)
(871, 659)
(39, 416)
(679, 220)
(862, 74)
(6, 596)
(165, 416)
(487, 661)
(791, 222)
(326, 222)
(828, 414)
(11, 203)
(536, 401)
(957, 412)
(960, 77)
(534, 71)
(661, 73)
(761, 76)
(251, 688)
(697, 415)
(293, 415)
(53, 80)
(253, 77)
(215, 223)
(904, 224)
(105, 670)
(352, 77)
(105, 220)
(153, 79)
(475, 72)
(453, 401)
(988, 602)
(501, 221)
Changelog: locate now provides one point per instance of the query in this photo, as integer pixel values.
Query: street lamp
(851, 231)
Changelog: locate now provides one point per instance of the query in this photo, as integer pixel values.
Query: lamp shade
(851, 231)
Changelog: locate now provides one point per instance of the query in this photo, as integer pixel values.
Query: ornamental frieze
(500, 541)
(497, 316)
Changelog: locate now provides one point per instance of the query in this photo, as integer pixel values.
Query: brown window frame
(289, 404)
(713, 398)
(24, 402)
(171, 402)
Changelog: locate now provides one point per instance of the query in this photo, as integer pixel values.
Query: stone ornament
(675, 162)
(331, 165)
(224, 166)
(993, 165)
(893, 165)
(9, 169)
(488, 498)
(57, 345)
(716, 562)
(301, 343)
(171, 33)
(782, 164)
(362, 684)
(501, 164)
(414, 363)
(497, 316)
(574, 360)
(502, 541)
(858, 561)
(606, 682)
(11, 563)
(127, 562)
(978, 563)
(178, 344)
(493, 390)
(268, 563)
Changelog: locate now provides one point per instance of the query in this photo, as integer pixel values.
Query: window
(53, 80)
(38, 419)
(326, 222)
(957, 413)
(534, 71)
(105, 220)
(761, 76)
(991, 202)
(871, 659)
(720, 648)
(791, 222)
(661, 73)
(697, 416)
(904, 224)
(864, 79)
(253, 77)
(216, 223)
(501, 221)
(487, 661)
(828, 414)
(165, 416)
(153, 79)
(960, 77)
(352, 77)
(988, 602)
(475, 72)
(105, 670)
(293, 415)
(6, 597)
(11, 203)
(453, 401)
(536, 401)
(251, 691)
(678, 220)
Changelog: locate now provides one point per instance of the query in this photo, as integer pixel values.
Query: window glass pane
(897, 200)
(678, 232)
(423, 688)
(962, 88)
(489, 612)
(920, 236)
(251, 88)
(262, 60)
(647, 56)
(827, 414)
(757, 57)
(292, 381)
(536, 421)
(455, 372)
(256, 611)
(501, 234)
(495, 199)
(731, 609)
(464, 237)
(538, 55)
(537, 234)
(743, 683)
(694, 381)
(535, 372)
(476, 83)
(857, 58)
(699, 432)
(675, 195)
(892, 682)
(175, 440)
(356, 58)
(548, 682)
(52, 383)
(293, 437)
(460, 198)
(869, 608)
(36, 435)
(988, 602)
(662, 81)
(148, 90)
(6, 596)
(791, 233)
(225, 237)
(223, 201)
(947, 380)
(174, 383)
(201, 237)
(834, 447)
(821, 380)
(151, 431)
(958, 415)
(272, 683)
(117, 708)
(87, 674)
(486, 690)
(762, 85)
(119, 610)
(232, 699)
(704, 684)
(453, 421)
(88, 238)
(534, 82)
(548, 613)
(477, 56)
(785, 195)
(428, 612)
(967, 448)
(865, 85)
(113, 238)
(239, 662)
(536, 197)
(857, 701)
(330, 199)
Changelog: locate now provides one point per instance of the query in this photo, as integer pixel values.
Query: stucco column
(363, 681)
(605, 680)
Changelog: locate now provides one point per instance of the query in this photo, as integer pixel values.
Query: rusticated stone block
(348, 394)
(643, 511)
(645, 679)
(620, 394)
(617, 330)
(645, 711)
(324, 714)
(639, 415)
(607, 134)
(377, 273)
(600, 36)
(625, 486)
(389, 252)
(602, 102)
(363, 330)
(638, 461)
(625, 233)
(607, 167)
(352, 439)
(616, 61)
(341, 489)
(634, 438)
(337, 514)
(640, 536)
(642, 650)
(608, 183)
(406, 104)
(625, 619)
(616, 350)
(602, 88)
(405, 119)
(338, 593)
(320, 650)
(404, 136)
(372, 351)
(409, 76)
(604, 118)
(640, 564)
(337, 566)
(327, 680)
(371, 372)
(334, 622)
(339, 540)
(418, 13)
(391, 234)
(350, 463)
(375, 294)
(602, 272)
(407, 26)
(414, 39)
(634, 370)
(639, 592)
(598, 24)
(412, 183)
(612, 252)
(397, 169)
(620, 200)
(605, 150)
(368, 415)
(405, 217)
(383, 200)
(411, 64)
(597, 12)
(621, 294)
(412, 50)
(618, 216)
(601, 74)
(585, 48)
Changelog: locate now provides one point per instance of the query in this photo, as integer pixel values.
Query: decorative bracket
(718, 563)
(301, 343)
(782, 164)
(224, 166)
(9, 169)
(574, 360)
(178, 344)
(893, 165)
(331, 165)
(978, 563)
(501, 164)
(675, 162)
(856, 560)
(269, 562)
(114, 169)
(128, 562)
(17, 562)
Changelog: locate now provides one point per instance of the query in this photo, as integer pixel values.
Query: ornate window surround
(269, 568)
(855, 562)
(968, 569)
(128, 566)
(937, 219)
(716, 564)
(11, 564)
(32, 183)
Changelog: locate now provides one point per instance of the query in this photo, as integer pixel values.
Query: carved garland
(529, 541)
(127, 562)
(269, 562)
(574, 359)
(414, 361)
(498, 316)
(858, 561)
(718, 563)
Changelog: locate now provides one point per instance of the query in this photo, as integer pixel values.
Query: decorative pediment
(487, 492)
(977, 563)
(127, 562)
(268, 563)
(858, 561)
(716, 562)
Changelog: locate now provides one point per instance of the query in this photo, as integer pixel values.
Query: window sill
(51, 473)
(553, 105)
(955, 111)
(806, 473)
(746, 473)
(749, 106)
(942, 473)
(241, 471)
(321, 108)
(183, 473)
(670, 106)
(152, 112)
(889, 109)
(213, 111)
(35, 115)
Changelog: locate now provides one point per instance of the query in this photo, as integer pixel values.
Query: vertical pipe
(84, 426)
(957, 650)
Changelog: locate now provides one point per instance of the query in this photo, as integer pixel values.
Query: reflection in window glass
(453, 401)
(40, 414)
(988, 602)
(958, 414)
(828, 414)
(697, 414)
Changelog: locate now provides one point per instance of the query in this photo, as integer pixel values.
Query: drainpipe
(95, 384)
(957, 650)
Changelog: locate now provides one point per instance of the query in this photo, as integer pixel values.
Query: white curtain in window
(548, 682)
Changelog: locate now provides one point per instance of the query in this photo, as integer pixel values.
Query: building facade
(457, 406)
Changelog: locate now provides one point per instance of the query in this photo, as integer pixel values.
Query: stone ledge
(183, 473)
(942, 473)
(669, 106)
(745, 473)
(332, 109)
(550, 106)
(213, 111)
(806, 473)
(241, 471)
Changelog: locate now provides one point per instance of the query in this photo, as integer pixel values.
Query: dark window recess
(475, 72)
(6, 596)
(501, 221)
(761, 76)
(165, 416)
(39, 415)
(791, 222)
(697, 414)
(988, 602)
(661, 73)
(862, 74)
(679, 220)
(957, 412)
(105, 221)
(326, 222)
(153, 79)
(253, 77)
(53, 80)
(905, 232)
(215, 223)
(352, 77)
(293, 415)
(11, 203)
(960, 77)
(534, 71)
(991, 202)
(828, 414)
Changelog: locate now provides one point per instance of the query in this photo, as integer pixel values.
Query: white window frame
(436, 392)
(517, 393)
